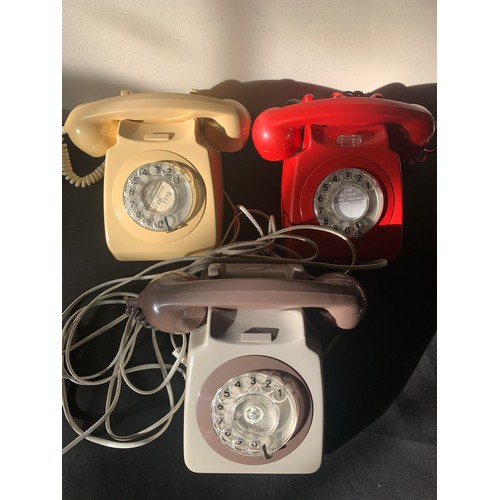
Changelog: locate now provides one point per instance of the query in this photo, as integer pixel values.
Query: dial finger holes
(256, 413)
(159, 196)
(349, 201)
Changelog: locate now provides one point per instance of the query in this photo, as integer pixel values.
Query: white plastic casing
(219, 341)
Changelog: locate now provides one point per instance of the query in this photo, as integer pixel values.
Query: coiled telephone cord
(69, 174)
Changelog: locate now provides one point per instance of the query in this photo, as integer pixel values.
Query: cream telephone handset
(163, 189)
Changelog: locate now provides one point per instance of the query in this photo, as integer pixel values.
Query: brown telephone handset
(163, 191)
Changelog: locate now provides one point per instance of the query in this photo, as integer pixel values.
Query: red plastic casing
(304, 136)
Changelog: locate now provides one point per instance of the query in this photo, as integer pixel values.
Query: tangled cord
(265, 248)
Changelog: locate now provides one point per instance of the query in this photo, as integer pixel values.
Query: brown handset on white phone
(254, 384)
(163, 192)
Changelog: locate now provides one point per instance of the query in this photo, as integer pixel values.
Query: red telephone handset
(341, 167)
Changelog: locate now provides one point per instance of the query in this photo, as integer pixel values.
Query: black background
(379, 380)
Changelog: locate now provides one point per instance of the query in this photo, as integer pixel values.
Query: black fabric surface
(379, 380)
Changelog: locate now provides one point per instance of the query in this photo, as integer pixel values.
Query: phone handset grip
(179, 307)
(277, 132)
(92, 126)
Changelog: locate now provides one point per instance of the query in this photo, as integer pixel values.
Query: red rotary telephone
(341, 167)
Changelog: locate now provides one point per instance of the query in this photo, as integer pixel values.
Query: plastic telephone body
(201, 230)
(163, 193)
(341, 168)
(224, 356)
(383, 240)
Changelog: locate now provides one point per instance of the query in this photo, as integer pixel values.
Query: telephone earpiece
(179, 318)
(178, 303)
(345, 284)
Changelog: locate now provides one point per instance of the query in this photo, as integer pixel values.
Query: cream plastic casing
(141, 143)
(134, 130)
(219, 341)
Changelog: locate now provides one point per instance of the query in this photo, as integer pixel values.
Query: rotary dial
(159, 196)
(350, 201)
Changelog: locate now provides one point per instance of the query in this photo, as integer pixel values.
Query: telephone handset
(254, 387)
(177, 302)
(341, 166)
(163, 191)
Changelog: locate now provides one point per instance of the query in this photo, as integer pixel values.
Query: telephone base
(235, 342)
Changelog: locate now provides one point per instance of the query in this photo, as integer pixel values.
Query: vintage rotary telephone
(253, 400)
(341, 167)
(163, 193)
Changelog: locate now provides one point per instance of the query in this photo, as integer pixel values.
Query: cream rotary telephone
(163, 191)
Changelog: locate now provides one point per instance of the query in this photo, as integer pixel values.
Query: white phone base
(270, 344)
